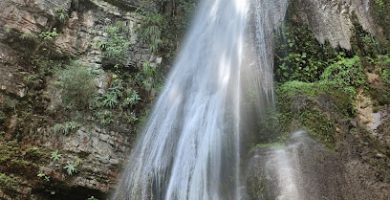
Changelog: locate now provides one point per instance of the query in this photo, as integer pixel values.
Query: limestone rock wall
(98, 153)
(333, 20)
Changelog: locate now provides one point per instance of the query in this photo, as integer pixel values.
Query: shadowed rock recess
(78, 77)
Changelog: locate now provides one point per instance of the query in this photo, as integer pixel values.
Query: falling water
(191, 146)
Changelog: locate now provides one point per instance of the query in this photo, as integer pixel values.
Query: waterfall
(191, 146)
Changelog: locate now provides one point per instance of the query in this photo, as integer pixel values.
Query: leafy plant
(298, 55)
(105, 117)
(92, 198)
(116, 45)
(384, 68)
(132, 98)
(147, 76)
(29, 36)
(66, 128)
(77, 85)
(345, 72)
(131, 117)
(55, 156)
(151, 30)
(62, 15)
(70, 168)
(43, 176)
(48, 36)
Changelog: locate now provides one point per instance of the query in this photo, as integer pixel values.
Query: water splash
(191, 146)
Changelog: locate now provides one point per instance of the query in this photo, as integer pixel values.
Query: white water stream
(190, 148)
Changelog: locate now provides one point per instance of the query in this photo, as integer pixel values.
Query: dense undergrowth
(317, 85)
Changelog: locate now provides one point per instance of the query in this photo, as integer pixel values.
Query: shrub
(66, 128)
(77, 86)
(131, 99)
(346, 72)
(298, 54)
(148, 76)
(48, 36)
(115, 47)
(151, 30)
(105, 117)
(61, 15)
(384, 67)
(7, 181)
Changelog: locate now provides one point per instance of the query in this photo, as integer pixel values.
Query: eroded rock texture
(333, 20)
(28, 109)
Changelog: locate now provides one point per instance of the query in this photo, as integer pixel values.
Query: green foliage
(70, 168)
(298, 55)
(148, 76)
(384, 68)
(318, 125)
(298, 87)
(55, 156)
(9, 104)
(66, 128)
(131, 117)
(151, 29)
(48, 36)
(77, 86)
(116, 45)
(380, 12)
(105, 117)
(7, 182)
(346, 73)
(131, 98)
(110, 98)
(92, 198)
(62, 15)
(29, 36)
(43, 176)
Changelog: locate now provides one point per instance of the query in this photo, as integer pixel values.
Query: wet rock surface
(314, 172)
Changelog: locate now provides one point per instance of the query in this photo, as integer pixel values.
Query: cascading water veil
(191, 146)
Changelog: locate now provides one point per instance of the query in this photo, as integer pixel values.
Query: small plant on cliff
(77, 86)
(55, 156)
(92, 198)
(151, 30)
(132, 98)
(148, 76)
(110, 98)
(70, 168)
(43, 176)
(66, 128)
(105, 117)
(62, 15)
(48, 36)
(7, 182)
(116, 45)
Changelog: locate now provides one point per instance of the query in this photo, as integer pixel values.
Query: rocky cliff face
(50, 149)
(334, 20)
(326, 48)
(35, 35)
